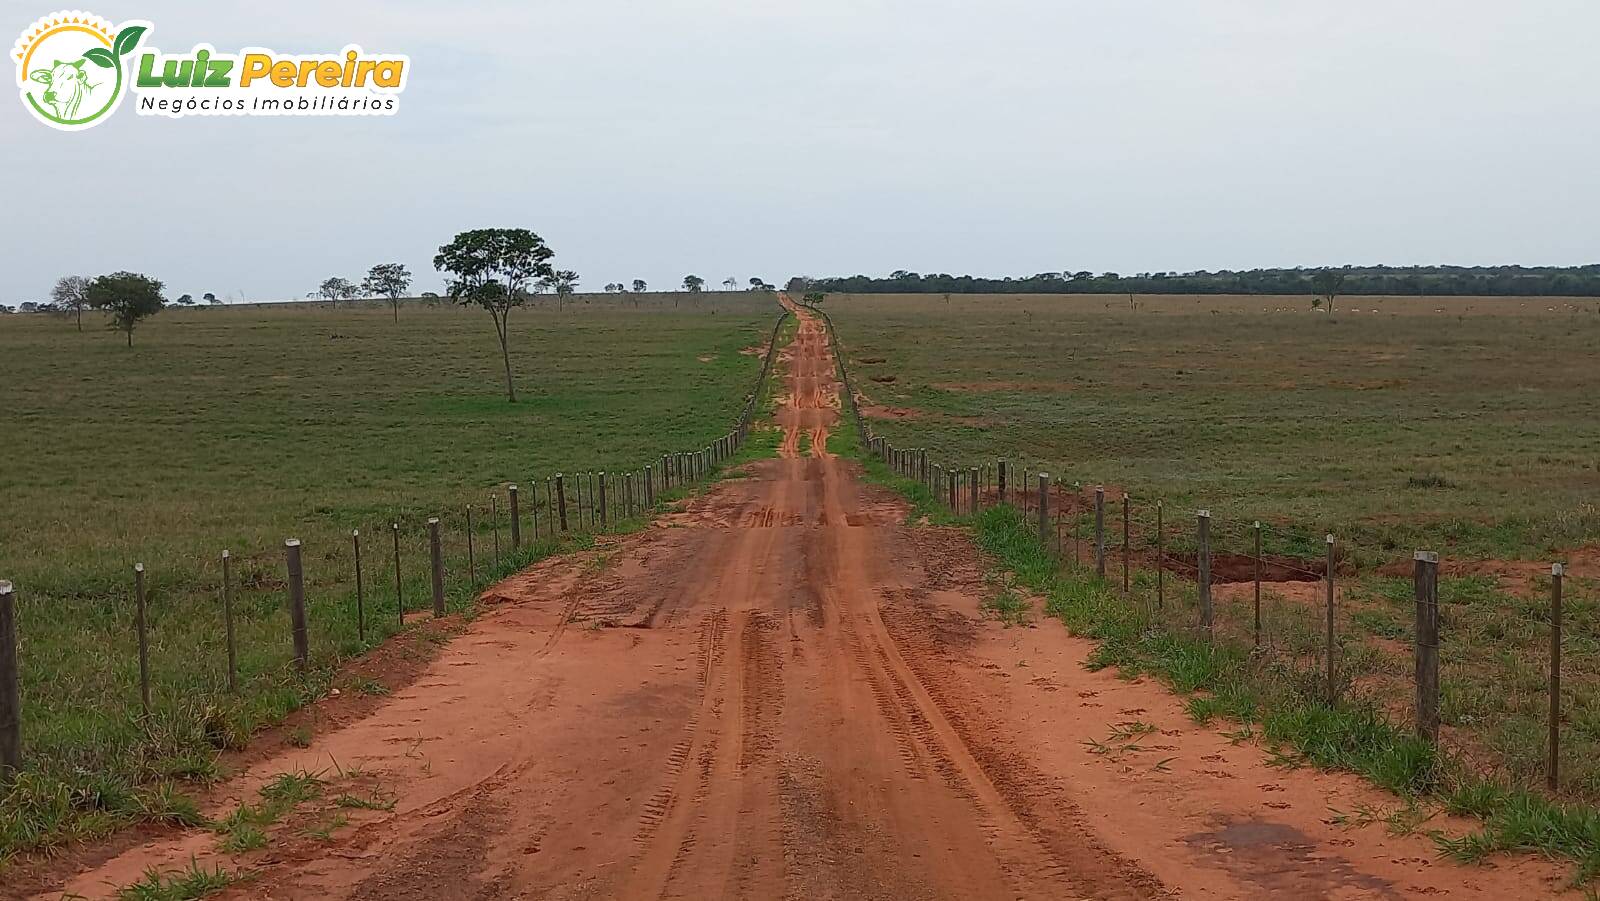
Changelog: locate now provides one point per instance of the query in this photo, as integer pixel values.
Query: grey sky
(653, 139)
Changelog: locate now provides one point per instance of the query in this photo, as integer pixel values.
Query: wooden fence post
(472, 556)
(516, 518)
(605, 510)
(297, 603)
(975, 495)
(144, 639)
(1425, 586)
(1333, 650)
(227, 619)
(361, 599)
(1161, 562)
(1127, 537)
(649, 488)
(494, 521)
(1000, 489)
(561, 500)
(10, 690)
(950, 490)
(1258, 584)
(1203, 568)
(436, 566)
(1100, 531)
(1553, 767)
(1044, 509)
(399, 596)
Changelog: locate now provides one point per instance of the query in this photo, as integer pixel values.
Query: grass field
(1472, 431)
(238, 428)
(1475, 430)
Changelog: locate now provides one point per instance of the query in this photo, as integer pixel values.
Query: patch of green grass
(373, 801)
(245, 828)
(328, 422)
(324, 831)
(1230, 404)
(1004, 602)
(369, 686)
(178, 885)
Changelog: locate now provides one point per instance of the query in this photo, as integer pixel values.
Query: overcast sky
(655, 138)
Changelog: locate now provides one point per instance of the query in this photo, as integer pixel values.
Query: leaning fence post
(1044, 509)
(436, 556)
(1553, 768)
(399, 596)
(1100, 531)
(1425, 585)
(361, 600)
(144, 640)
(1332, 649)
(1203, 568)
(516, 518)
(10, 690)
(227, 619)
(297, 603)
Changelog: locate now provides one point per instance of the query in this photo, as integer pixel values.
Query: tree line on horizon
(1470, 281)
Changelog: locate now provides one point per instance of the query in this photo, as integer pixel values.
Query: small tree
(128, 297)
(565, 282)
(492, 268)
(336, 289)
(730, 283)
(391, 280)
(69, 296)
(813, 298)
(639, 286)
(693, 283)
(212, 299)
(1326, 284)
(186, 300)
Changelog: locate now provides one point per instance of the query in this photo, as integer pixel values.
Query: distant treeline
(1509, 281)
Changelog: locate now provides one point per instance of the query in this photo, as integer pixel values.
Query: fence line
(606, 505)
(1323, 659)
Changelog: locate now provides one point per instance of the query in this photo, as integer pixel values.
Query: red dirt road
(783, 691)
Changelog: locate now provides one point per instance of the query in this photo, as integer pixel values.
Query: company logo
(73, 69)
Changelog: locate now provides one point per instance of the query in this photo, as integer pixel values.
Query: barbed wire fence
(400, 570)
(1245, 583)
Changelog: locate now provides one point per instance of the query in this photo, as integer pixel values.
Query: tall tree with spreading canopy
(336, 289)
(492, 268)
(128, 297)
(69, 296)
(639, 286)
(391, 280)
(693, 283)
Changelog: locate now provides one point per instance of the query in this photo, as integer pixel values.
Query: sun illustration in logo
(70, 67)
